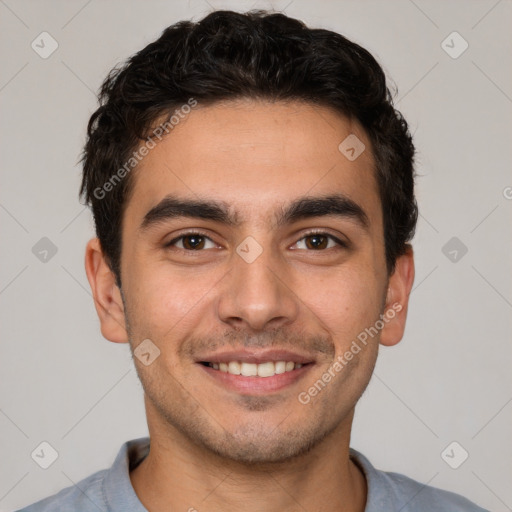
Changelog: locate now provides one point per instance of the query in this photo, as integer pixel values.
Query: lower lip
(257, 385)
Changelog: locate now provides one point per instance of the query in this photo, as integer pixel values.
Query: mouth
(262, 370)
(252, 373)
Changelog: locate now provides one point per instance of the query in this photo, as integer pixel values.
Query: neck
(180, 475)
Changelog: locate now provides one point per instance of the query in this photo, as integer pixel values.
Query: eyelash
(340, 243)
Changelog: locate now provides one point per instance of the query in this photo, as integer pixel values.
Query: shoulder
(86, 496)
(418, 497)
(388, 491)
(108, 489)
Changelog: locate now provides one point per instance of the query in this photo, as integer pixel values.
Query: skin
(212, 448)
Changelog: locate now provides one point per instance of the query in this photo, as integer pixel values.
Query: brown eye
(316, 241)
(320, 242)
(191, 242)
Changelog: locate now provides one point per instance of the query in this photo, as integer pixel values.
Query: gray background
(449, 380)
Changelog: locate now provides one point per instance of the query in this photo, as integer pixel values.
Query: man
(253, 193)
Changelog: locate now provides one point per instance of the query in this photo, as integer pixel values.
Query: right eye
(192, 241)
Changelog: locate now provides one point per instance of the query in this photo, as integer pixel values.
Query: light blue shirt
(110, 490)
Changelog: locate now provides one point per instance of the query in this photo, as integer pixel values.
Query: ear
(106, 294)
(397, 299)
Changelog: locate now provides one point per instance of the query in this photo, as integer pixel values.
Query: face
(252, 243)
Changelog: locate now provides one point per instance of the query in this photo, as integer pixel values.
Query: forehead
(255, 157)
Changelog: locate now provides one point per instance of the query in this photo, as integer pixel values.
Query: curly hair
(256, 55)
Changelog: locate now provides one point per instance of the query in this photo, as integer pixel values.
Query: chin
(255, 444)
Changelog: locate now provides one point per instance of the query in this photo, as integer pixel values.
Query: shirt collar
(117, 486)
(120, 495)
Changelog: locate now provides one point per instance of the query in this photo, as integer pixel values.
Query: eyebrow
(337, 205)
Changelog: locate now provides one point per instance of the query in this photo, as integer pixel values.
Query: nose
(258, 295)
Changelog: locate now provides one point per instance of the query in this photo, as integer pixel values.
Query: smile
(255, 378)
(265, 369)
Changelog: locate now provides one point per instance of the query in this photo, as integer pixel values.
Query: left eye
(316, 241)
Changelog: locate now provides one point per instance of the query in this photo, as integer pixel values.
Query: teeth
(249, 369)
(280, 367)
(234, 368)
(267, 369)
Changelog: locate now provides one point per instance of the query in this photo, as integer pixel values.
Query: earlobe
(106, 294)
(397, 300)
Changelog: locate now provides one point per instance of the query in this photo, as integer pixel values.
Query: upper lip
(251, 356)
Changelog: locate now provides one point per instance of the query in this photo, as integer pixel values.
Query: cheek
(165, 303)
(345, 303)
